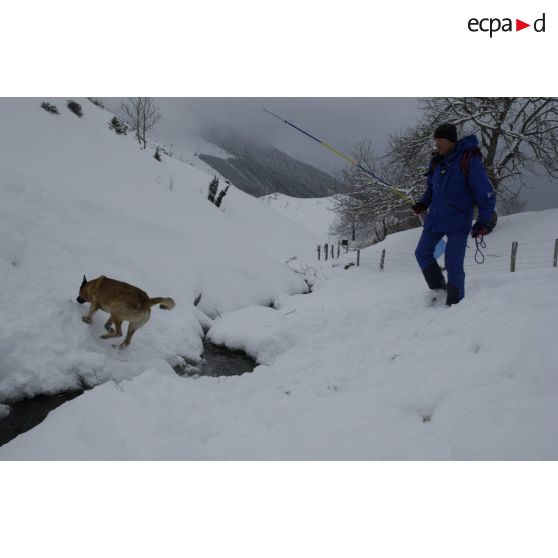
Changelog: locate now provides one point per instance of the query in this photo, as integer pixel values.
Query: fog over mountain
(341, 122)
(260, 169)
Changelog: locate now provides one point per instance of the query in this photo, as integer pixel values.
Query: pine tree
(213, 186)
(221, 195)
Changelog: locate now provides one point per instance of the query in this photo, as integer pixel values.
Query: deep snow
(77, 199)
(359, 369)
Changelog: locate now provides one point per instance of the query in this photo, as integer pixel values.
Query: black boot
(453, 295)
(434, 276)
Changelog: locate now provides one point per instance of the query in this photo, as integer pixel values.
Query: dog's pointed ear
(84, 282)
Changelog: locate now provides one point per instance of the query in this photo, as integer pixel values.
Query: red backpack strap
(466, 160)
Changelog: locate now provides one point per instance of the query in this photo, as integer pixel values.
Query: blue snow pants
(454, 256)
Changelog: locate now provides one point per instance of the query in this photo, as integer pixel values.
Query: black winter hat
(447, 131)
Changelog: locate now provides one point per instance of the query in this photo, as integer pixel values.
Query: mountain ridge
(261, 170)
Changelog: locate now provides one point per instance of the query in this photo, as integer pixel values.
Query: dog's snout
(81, 300)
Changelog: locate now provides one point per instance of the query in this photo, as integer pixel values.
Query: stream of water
(25, 414)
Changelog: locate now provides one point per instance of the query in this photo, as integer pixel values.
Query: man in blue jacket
(453, 191)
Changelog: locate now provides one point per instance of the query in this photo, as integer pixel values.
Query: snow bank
(260, 332)
(367, 373)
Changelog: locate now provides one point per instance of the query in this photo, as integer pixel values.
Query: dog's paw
(86, 319)
(107, 336)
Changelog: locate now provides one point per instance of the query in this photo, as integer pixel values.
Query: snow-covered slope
(314, 214)
(359, 369)
(77, 199)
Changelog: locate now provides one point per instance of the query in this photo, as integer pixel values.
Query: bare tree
(143, 114)
(514, 132)
(354, 208)
(133, 109)
(370, 207)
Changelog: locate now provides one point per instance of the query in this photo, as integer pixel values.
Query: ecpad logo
(493, 25)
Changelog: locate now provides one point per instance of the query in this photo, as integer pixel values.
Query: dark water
(28, 413)
(218, 361)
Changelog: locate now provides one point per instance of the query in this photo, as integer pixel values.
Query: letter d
(535, 25)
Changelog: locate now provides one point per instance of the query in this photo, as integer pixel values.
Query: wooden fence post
(319, 252)
(358, 258)
(555, 263)
(326, 251)
(513, 256)
(383, 260)
(338, 248)
(332, 253)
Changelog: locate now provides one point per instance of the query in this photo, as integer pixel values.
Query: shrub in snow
(96, 102)
(157, 154)
(213, 185)
(49, 108)
(75, 108)
(167, 151)
(118, 126)
(310, 274)
(221, 195)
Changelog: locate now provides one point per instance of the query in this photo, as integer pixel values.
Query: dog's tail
(164, 303)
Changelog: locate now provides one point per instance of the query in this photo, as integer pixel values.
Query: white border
(245, 509)
(251, 48)
(248, 48)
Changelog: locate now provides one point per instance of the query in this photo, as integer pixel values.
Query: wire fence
(517, 256)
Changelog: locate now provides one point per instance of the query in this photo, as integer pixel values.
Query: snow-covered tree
(514, 132)
(370, 208)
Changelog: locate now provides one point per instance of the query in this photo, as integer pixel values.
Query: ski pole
(440, 246)
(343, 156)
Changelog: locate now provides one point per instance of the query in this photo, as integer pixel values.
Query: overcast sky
(341, 122)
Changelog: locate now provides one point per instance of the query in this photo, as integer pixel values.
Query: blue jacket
(451, 196)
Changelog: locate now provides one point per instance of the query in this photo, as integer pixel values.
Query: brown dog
(123, 302)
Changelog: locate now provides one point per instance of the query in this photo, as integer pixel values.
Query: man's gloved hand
(418, 208)
(480, 229)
